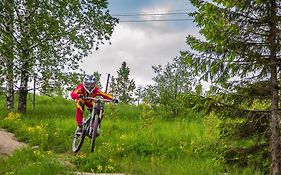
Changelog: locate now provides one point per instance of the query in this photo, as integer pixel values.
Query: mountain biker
(86, 89)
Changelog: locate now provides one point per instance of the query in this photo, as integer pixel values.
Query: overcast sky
(143, 44)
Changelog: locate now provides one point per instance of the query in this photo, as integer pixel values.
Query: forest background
(239, 54)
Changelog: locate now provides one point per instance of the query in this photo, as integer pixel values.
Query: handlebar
(97, 99)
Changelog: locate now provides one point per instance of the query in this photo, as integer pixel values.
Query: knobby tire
(94, 134)
(77, 144)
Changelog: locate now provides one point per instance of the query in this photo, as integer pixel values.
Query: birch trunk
(23, 90)
(9, 57)
(25, 58)
(10, 87)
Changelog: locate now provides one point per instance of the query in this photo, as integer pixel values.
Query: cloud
(141, 46)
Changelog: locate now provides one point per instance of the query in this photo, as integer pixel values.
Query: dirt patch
(9, 143)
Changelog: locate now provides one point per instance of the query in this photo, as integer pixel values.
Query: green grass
(32, 161)
(134, 140)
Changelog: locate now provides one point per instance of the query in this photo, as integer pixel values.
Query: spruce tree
(240, 55)
(124, 85)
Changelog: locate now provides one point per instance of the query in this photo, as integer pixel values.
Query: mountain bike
(91, 125)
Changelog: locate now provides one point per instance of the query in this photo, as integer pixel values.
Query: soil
(9, 143)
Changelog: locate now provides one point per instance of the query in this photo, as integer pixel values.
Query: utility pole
(106, 86)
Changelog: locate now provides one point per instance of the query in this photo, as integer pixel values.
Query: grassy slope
(132, 141)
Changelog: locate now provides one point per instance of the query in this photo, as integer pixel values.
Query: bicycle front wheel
(78, 140)
(94, 133)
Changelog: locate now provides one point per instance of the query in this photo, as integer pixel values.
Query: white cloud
(141, 45)
(156, 10)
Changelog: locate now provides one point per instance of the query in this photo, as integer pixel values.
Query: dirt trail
(9, 143)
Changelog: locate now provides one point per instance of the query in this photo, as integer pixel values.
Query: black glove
(80, 96)
(115, 101)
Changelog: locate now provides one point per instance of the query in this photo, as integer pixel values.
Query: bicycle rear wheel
(94, 133)
(78, 141)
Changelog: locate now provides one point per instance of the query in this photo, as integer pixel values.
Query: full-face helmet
(89, 83)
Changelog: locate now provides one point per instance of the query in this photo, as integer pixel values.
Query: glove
(115, 101)
(80, 96)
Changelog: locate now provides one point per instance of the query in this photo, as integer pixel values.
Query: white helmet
(89, 83)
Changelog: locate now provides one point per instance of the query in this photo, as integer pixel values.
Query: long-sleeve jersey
(81, 90)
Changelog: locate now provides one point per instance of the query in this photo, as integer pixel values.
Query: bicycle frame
(91, 124)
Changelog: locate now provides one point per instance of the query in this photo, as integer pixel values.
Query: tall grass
(133, 140)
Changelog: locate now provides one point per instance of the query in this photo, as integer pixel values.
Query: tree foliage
(122, 87)
(50, 37)
(139, 94)
(170, 82)
(240, 55)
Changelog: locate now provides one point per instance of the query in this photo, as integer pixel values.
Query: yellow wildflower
(109, 167)
(99, 167)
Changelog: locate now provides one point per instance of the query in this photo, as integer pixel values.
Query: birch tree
(7, 52)
(51, 36)
(171, 81)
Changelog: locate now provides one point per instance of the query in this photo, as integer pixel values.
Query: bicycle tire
(78, 141)
(94, 134)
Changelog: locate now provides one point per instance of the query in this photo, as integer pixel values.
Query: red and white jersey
(81, 90)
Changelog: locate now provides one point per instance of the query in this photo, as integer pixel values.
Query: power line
(154, 11)
(150, 14)
(155, 20)
(172, 15)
